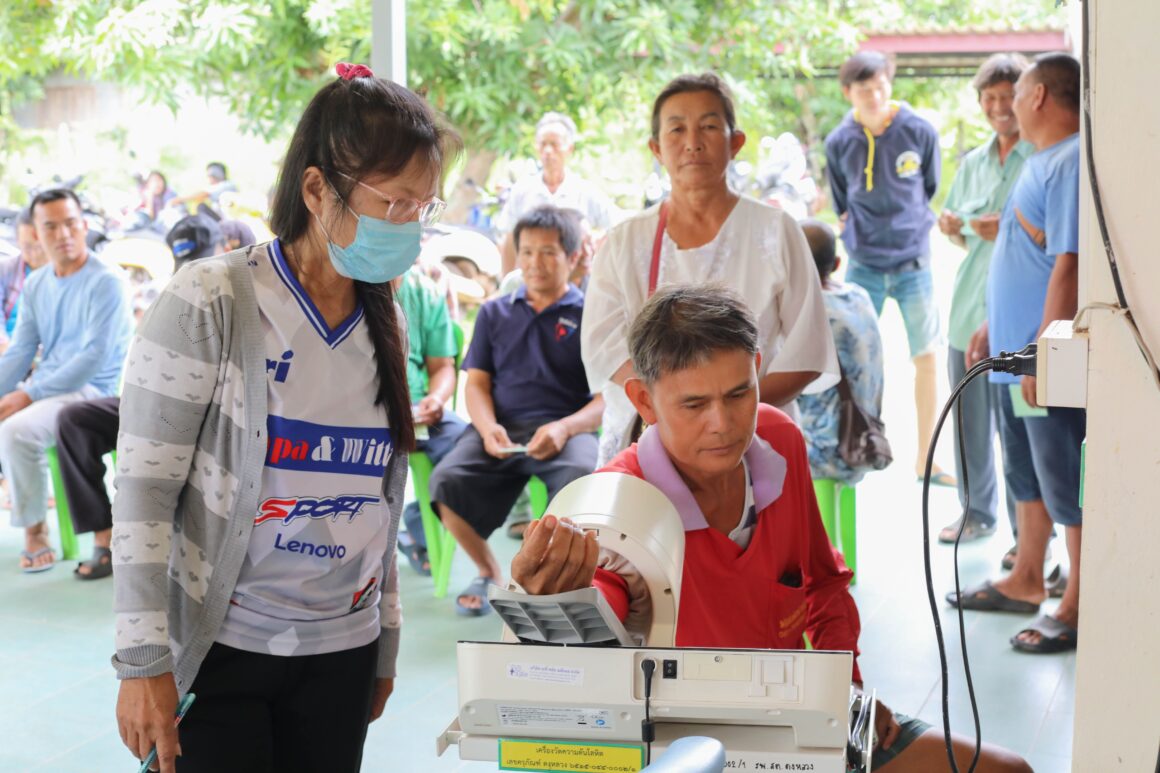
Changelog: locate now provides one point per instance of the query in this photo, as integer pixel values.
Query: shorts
(481, 489)
(911, 729)
(1041, 456)
(914, 292)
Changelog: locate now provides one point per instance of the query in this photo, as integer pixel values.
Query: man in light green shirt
(431, 377)
(971, 220)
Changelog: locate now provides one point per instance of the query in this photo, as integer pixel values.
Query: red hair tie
(349, 72)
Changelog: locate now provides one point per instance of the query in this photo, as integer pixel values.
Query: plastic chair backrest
(460, 347)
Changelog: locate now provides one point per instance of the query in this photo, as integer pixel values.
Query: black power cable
(1097, 199)
(1019, 363)
(1093, 179)
(648, 731)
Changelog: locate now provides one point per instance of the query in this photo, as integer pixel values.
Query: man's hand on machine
(557, 556)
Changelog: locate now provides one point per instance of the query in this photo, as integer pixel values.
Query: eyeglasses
(403, 210)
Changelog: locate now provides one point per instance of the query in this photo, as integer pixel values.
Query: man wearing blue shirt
(76, 311)
(883, 163)
(1034, 279)
(527, 396)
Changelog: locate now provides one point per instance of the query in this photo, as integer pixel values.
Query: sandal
(1056, 582)
(1008, 562)
(988, 598)
(100, 565)
(30, 558)
(1054, 636)
(478, 588)
(973, 531)
(416, 554)
(941, 478)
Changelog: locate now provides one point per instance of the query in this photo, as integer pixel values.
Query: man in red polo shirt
(758, 569)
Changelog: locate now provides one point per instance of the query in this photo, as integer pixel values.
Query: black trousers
(482, 489)
(258, 713)
(85, 432)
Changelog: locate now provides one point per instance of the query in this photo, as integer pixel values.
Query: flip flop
(32, 568)
(100, 565)
(988, 598)
(478, 587)
(973, 531)
(1054, 636)
(1008, 562)
(941, 478)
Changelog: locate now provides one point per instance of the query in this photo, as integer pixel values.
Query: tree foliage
(493, 66)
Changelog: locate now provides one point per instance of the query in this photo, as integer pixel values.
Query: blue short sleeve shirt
(533, 359)
(1040, 222)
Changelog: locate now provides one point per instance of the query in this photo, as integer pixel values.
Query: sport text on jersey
(285, 510)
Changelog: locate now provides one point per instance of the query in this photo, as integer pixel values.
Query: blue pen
(182, 707)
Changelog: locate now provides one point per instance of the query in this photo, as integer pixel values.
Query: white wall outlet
(1061, 366)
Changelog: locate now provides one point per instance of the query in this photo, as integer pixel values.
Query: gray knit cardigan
(190, 454)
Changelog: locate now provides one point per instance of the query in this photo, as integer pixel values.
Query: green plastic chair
(837, 503)
(69, 545)
(69, 548)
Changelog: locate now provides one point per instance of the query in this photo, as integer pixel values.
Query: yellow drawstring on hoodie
(869, 159)
(869, 170)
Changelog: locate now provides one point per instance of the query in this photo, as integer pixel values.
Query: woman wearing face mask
(264, 428)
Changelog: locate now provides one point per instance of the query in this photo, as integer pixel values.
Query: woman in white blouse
(705, 233)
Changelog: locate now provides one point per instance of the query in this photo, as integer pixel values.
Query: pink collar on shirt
(767, 467)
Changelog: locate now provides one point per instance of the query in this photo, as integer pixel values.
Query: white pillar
(1118, 665)
(389, 39)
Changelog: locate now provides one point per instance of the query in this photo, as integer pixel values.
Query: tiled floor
(57, 691)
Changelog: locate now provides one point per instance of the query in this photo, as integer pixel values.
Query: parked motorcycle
(782, 177)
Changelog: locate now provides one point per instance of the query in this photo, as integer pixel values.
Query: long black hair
(359, 127)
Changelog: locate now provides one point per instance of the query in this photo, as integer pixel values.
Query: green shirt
(429, 330)
(980, 187)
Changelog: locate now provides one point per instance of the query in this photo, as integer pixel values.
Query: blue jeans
(914, 292)
(441, 439)
(978, 433)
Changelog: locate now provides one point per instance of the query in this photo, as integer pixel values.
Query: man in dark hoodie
(883, 163)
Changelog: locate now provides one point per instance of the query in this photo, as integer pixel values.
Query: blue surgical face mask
(381, 250)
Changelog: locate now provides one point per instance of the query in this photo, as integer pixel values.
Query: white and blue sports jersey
(310, 582)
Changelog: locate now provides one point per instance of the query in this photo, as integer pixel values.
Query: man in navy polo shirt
(883, 164)
(527, 396)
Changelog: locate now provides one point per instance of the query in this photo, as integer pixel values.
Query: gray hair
(558, 119)
(683, 325)
(999, 68)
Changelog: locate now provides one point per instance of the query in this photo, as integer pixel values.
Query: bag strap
(655, 268)
(654, 271)
(844, 390)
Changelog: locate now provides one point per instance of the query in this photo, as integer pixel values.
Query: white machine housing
(765, 706)
(784, 707)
